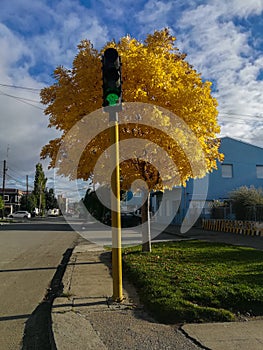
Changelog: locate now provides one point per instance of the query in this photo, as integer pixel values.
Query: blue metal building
(242, 166)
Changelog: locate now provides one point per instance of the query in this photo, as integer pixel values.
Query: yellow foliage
(153, 72)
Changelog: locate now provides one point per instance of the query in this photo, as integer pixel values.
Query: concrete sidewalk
(85, 318)
(228, 335)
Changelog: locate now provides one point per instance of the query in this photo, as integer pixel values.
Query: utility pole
(3, 187)
(26, 192)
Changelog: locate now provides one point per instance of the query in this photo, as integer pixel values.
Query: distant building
(11, 198)
(242, 166)
(132, 201)
(63, 203)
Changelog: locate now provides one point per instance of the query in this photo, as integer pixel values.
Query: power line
(18, 181)
(234, 118)
(240, 115)
(18, 97)
(240, 121)
(240, 118)
(251, 139)
(13, 169)
(23, 100)
(16, 175)
(20, 87)
(38, 90)
(247, 122)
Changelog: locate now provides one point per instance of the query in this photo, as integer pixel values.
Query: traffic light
(111, 72)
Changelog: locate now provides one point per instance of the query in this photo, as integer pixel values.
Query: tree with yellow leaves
(168, 107)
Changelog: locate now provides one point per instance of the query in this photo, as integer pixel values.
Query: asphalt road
(29, 255)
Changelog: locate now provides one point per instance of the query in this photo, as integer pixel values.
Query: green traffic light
(113, 99)
(111, 77)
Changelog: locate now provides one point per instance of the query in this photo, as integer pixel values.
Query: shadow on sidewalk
(38, 333)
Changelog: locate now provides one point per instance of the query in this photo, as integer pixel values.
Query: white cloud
(52, 31)
(220, 48)
(57, 45)
(154, 11)
(37, 36)
(32, 45)
(13, 49)
(24, 130)
(154, 15)
(240, 8)
(21, 124)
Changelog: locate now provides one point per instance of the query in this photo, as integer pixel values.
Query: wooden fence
(251, 228)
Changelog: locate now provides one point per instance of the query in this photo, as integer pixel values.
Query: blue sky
(222, 38)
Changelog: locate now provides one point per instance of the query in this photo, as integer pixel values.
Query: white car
(20, 214)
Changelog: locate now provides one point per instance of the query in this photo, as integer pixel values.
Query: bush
(243, 199)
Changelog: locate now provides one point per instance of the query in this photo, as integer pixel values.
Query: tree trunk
(146, 229)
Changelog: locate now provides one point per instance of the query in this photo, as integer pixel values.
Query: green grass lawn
(196, 281)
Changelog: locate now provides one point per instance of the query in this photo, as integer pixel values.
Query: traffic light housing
(111, 72)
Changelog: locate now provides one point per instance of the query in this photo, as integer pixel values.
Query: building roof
(241, 141)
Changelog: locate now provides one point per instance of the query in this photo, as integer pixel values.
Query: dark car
(127, 219)
(130, 220)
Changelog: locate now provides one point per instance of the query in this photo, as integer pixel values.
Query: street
(31, 251)
(29, 255)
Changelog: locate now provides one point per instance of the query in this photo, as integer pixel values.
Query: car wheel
(11, 216)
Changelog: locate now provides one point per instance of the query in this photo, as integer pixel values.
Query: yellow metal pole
(116, 216)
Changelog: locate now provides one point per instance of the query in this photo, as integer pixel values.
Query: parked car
(20, 215)
(130, 220)
(53, 212)
(127, 219)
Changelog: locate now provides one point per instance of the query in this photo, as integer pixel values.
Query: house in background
(11, 198)
(242, 166)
